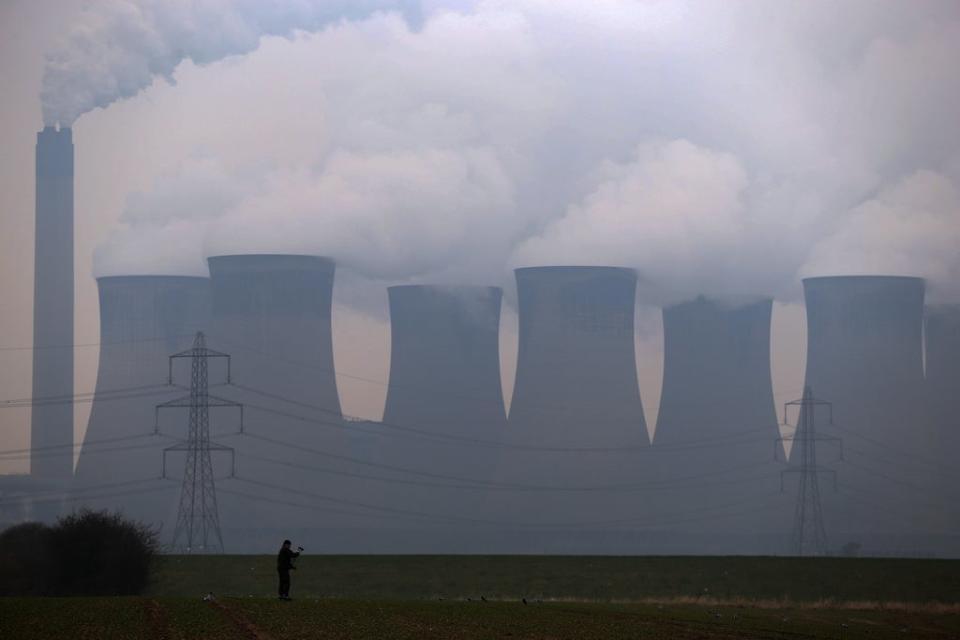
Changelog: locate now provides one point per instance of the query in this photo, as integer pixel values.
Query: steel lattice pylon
(198, 521)
(809, 533)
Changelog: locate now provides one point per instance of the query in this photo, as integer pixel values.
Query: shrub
(86, 553)
(26, 565)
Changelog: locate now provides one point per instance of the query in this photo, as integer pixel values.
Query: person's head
(286, 544)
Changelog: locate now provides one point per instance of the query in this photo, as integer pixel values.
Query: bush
(26, 566)
(86, 553)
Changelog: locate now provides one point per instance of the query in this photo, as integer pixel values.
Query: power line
(28, 499)
(498, 487)
(80, 345)
(480, 521)
(708, 442)
(106, 395)
(546, 409)
(14, 453)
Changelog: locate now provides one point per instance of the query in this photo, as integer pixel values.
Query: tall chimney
(51, 429)
(143, 320)
(865, 355)
(576, 392)
(717, 418)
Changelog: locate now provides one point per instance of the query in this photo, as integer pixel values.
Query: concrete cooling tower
(444, 379)
(143, 320)
(865, 355)
(445, 368)
(942, 337)
(272, 314)
(51, 431)
(717, 426)
(576, 410)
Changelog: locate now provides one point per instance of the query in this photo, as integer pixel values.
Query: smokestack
(272, 314)
(717, 417)
(576, 387)
(865, 355)
(445, 378)
(143, 320)
(52, 423)
(942, 336)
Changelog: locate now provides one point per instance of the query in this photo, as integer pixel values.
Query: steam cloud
(122, 45)
(713, 147)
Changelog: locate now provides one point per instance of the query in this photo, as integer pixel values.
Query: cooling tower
(143, 320)
(52, 422)
(942, 336)
(865, 355)
(576, 400)
(272, 314)
(445, 360)
(444, 379)
(576, 373)
(717, 421)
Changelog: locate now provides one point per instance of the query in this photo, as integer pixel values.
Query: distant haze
(715, 147)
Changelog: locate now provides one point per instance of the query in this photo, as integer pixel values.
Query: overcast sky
(716, 147)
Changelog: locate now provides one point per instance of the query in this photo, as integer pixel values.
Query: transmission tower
(809, 534)
(198, 522)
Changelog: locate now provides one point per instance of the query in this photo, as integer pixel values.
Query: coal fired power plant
(717, 427)
(576, 419)
(865, 357)
(51, 427)
(143, 320)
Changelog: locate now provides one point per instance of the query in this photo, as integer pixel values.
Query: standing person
(284, 566)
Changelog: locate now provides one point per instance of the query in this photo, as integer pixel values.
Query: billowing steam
(910, 228)
(713, 146)
(121, 46)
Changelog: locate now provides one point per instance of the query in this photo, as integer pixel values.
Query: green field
(467, 597)
(264, 619)
(595, 578)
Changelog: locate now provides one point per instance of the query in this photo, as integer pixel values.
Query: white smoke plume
(121, 46)
(675, 211)
(910, 228)
(712, 146)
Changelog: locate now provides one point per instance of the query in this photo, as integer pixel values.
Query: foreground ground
(465, 597)
(595, 578)
(263, 619)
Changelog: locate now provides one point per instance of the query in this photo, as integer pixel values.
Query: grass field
(467, 597)
(595, 578)
(265, 619)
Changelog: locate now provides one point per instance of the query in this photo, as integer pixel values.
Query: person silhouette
(284, 567)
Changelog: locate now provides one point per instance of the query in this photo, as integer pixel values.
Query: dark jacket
(285, 559)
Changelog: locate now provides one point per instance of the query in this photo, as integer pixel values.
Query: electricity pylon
(809, 533)
(198, 521)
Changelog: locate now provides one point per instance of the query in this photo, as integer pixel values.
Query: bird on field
(524, 600)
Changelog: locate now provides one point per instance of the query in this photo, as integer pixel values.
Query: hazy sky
(714, 146)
